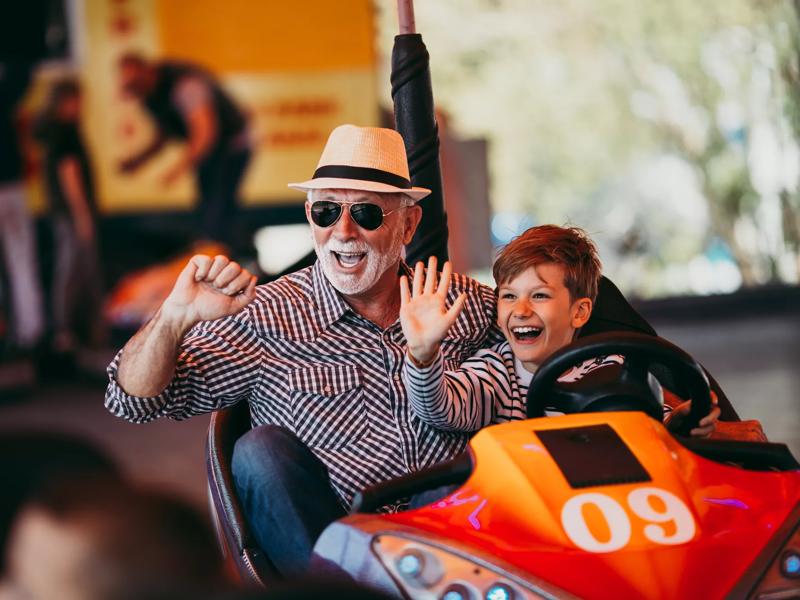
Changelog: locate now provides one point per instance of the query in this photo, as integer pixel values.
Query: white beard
(375, 265)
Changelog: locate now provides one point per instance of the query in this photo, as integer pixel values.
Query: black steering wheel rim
(640, 346)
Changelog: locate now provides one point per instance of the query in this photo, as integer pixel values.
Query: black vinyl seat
(239, 547)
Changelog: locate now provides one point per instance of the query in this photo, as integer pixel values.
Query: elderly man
(318, 354)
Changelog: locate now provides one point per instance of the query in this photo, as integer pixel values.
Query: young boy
(547, 282)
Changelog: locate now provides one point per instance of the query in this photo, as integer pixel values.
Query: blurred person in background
(29, 460)
(23, 299)
(187, 104)
(110, 541)
(77, 291)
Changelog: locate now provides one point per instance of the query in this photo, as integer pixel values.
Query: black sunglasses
(326, 213)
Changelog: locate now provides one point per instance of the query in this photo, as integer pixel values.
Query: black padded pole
(416, 122)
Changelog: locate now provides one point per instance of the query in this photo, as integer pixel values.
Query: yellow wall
(271, 35)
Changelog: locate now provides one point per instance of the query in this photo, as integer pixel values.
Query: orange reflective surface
(692, 530)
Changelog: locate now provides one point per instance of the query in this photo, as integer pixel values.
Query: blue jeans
(286, 495)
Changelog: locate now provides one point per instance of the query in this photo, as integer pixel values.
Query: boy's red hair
(569, 247)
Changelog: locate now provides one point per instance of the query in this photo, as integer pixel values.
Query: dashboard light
(790, 564)
(418, 567)
(456, 591)
(410, 564)
(500, 591)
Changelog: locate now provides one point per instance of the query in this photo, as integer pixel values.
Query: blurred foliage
(667, 129)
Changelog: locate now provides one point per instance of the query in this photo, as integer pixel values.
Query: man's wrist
(175, 321)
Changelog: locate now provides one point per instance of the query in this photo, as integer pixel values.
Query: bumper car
(603, 502)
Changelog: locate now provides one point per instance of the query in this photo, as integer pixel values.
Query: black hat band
(363, 174)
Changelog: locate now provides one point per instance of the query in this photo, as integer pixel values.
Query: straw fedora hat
(372, 159)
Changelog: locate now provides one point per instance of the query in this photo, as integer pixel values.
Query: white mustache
(353, 247)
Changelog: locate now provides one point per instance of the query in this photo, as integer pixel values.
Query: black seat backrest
(612, 312)
(235, 536)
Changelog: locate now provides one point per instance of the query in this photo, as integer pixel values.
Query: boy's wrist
(422, 359)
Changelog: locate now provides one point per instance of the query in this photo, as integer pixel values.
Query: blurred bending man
(187, 104)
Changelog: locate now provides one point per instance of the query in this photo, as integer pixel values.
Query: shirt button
(396, 377)
(327, 389)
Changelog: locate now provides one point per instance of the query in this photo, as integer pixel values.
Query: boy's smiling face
(537, 315)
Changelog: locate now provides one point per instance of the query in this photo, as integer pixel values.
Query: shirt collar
(330, 304)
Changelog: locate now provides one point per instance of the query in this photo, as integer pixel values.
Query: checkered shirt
(306, 361)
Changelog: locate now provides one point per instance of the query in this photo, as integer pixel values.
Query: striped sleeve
(214, 371)
(459, 400)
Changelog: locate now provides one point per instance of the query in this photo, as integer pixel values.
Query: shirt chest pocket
(328, 406)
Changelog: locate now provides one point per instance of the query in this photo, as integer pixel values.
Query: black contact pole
(415, 120)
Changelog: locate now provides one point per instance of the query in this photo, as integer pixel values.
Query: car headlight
(790, 564)
(427, 572)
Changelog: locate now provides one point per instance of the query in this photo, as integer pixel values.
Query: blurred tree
(659, 127)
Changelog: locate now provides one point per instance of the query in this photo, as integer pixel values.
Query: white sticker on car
(668, 508)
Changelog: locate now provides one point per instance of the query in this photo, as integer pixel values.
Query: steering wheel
(629, 390)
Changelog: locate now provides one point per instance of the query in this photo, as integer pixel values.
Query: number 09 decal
(619, 524)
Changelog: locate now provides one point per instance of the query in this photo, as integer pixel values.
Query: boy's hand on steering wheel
(424, 315)
(707, 424)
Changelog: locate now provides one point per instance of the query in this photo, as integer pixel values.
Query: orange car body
(693, 530)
